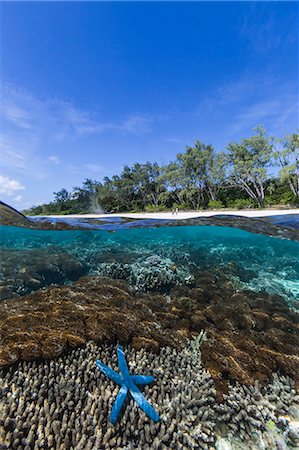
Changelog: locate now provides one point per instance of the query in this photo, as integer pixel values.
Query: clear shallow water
(213, 263)
(152, 259)
(118, 223)
(287, 220)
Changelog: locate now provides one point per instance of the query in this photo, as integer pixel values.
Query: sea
(209, 308)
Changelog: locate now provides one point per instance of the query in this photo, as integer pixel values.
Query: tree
(85, 196)
(198, 173)
(61, 196)
(148, 183)
(248, 162)
(286, 153)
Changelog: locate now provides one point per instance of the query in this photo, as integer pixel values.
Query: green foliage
(286, 154)
(215, 204)
(154, 208)
(241, 203)
(198, 178)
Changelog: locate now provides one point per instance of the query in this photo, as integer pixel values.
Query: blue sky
(88, 87)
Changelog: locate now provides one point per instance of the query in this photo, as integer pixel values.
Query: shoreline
(181, 215)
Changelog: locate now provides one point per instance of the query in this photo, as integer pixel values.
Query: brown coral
(249, 335)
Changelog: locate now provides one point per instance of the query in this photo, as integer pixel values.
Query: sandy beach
(188, 214)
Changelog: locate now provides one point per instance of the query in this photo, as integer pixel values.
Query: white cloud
(8, 186)
(17, 115)
(173, 140)
(94, 167)
(18, 198)
(54, 159)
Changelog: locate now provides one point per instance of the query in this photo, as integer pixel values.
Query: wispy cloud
(250, 100)
(173, 140)
(34, 131)
(95, 168)
(263, 30)
(86, 170)
(28, 112)
(54, 159)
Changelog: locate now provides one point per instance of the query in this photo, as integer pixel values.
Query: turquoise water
(149, 259)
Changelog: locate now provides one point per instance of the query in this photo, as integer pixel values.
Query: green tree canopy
(248, 162)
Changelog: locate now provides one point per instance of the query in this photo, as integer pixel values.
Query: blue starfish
(128, 384)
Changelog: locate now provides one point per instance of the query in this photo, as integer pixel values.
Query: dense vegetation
(258, 171)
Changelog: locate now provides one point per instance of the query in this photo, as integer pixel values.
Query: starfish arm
(142, 379)
(109, 372)
(122, 363)
(143, 404)
(121, 396)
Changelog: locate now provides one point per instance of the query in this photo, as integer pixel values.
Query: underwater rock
(24, 271)
(65, 404)
(249, 335)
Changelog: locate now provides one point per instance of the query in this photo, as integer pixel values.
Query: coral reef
(65, 404)
(29, 270)
(46, 322)
(150, 273)
(272, 408)
(249, 335)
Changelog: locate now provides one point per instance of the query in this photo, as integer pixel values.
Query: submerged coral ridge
(63, 404)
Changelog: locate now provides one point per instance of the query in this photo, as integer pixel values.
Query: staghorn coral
(65, 404)
(249, 411)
